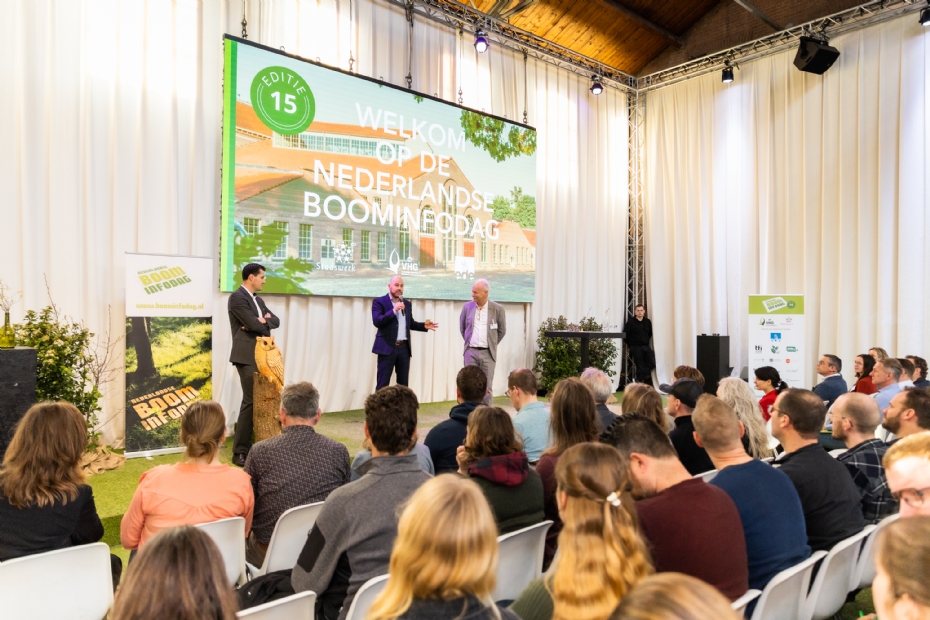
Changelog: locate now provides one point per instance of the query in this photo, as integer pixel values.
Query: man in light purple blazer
(483, 324)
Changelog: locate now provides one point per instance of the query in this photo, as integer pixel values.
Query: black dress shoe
(238, 460)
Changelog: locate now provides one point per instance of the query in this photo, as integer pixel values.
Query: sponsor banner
(335, 182)
(777, 336)
(169, 361)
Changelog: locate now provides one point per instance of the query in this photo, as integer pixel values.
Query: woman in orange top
(769, 381)
(199, 489)
(863, 366)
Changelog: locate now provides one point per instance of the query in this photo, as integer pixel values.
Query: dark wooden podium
(585, 338)
(17, 389)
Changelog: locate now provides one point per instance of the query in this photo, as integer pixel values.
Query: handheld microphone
(401, 298)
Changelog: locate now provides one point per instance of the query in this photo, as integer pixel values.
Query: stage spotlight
(925, 15)
(726, 75)
(596, 87)
(481, 42)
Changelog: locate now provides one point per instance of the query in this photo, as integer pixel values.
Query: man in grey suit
(483, 324)
(249, 318)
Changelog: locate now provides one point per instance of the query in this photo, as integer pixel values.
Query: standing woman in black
(638, 331)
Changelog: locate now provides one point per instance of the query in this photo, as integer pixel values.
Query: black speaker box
(713, 360)
(815, 56)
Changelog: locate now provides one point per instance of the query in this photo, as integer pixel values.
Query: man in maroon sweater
(690, 526)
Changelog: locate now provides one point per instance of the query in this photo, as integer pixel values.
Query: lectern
(17, 389)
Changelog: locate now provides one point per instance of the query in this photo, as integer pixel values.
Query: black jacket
(444, 439)
(638, 333)
(245, 326)
(469, 608)
(691, 455)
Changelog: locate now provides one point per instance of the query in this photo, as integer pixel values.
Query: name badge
(493, 325)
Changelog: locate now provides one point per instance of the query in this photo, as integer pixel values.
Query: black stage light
(726, 76)
(481, 42)
(925, 15)
(596, 87)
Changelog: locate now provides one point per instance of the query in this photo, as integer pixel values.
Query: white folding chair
(519, 560)
(229, 536)
(768, 459)
(837, 452)
(288, 538)
(864, 573)
(74, 583)
(831, 585)
(295, 607)
(365, 596)
(785, 595)
(707, 476)
(740, 604)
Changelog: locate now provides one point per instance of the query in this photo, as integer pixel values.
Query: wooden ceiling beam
(760, 15)
(518, 8)
(650, 25)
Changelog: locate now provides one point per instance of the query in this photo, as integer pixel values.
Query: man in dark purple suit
(393, 316)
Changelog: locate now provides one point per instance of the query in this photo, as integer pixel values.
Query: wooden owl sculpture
(269, 360)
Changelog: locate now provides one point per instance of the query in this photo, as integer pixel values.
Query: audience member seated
(907, 467)
(878, 353)
(572, 420)
(768, 505)
(682, 399)
(683, 372)
(296, 468)
(901, 590)
(351, 540)
(908, 413)
(601, 555)
(494, 458)
(833, 385)
(532, 419)
(599, 384)
(45, 503)
(674, 596)
(179, 574)
(830, 499)
(444, 562)
(738, 395)
(855, 418)
(885, 376)
(444, 439)
(863, 366)
(645, 400)
(769, 382)
(421, 452)
(199, 489)
(907, 370)
(920, 372)
(690, 526)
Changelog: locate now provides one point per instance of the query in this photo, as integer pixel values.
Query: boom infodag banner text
(169, 341)
(776, 337)
(335, 182)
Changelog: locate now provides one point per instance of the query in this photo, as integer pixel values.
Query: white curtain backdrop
(110, 143)
(788, 182)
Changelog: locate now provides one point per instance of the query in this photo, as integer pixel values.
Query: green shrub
(559, 358)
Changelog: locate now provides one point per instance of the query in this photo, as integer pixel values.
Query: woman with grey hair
(599, 384)
(737, 393)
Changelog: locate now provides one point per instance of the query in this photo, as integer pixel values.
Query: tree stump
(266, 401)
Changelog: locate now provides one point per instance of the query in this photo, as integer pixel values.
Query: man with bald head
(483, 324)
(393, 316)
(855, 418)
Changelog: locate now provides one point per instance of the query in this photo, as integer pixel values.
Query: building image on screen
(380, 182)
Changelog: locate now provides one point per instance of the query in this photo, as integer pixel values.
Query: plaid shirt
(864, 463)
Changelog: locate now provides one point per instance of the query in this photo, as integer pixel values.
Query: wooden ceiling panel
(598, 30)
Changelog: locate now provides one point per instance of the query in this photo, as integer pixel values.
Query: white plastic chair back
(74, 583)
(707, 476)
(365, 596)
(229, 536)
(519, 560)
(828, 594)
(837, 452)
(740, 604)
(785, 595)
(768, 459)
(289, 537)
(865, 566)
(295, 607)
